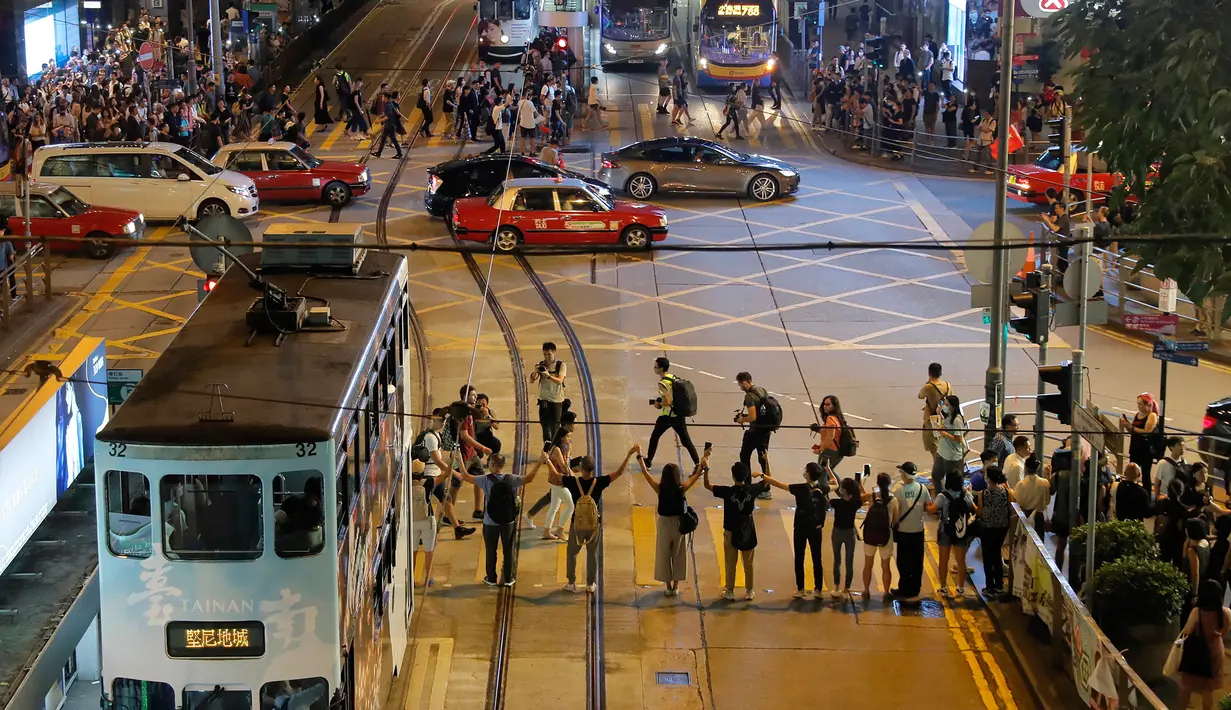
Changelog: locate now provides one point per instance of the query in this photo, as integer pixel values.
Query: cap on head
(908, 467)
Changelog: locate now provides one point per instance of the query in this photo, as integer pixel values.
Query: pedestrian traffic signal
(875, 51)
(1058, 136)
(1036, 302)
(562, 43)
(205, 287)
(1058, 403)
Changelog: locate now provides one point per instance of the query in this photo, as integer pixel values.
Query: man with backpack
(672, 410)
(500, 513)
(549, 373)
(763, 415)
(428, 449)
(1171, 466)
(739, 530)
(341, 86)
(586, 527)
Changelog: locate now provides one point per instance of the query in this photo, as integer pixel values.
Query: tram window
(302, 694)
(144, 694)
(128, 515)
(217, 699)
(299, 518)
(222, 516)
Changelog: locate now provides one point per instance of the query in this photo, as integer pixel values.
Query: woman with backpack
(951, 430)
(811, 505)
(832, 429)
(878, 534)
(845, 506)
(739, 530)
(955, 508)
(675, 521)
(993, 505)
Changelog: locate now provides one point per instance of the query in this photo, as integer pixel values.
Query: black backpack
(683, 398)
(501, 500)
(418, 450)
(876, 523)
(847, 443)
(959, 522)
(769, 414)
(743, 537)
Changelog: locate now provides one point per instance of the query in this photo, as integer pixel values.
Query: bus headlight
(704, 62)
(609, 48)
(661, 48)
(771, 63)
(504, 39)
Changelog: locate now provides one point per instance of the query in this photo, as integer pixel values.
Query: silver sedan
(695, 165)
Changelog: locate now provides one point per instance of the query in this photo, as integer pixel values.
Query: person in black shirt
(931, 108)
(1132, 500)
(670, 564)
(948, 117)
(578, 486)
(811, 504)
(739, 530)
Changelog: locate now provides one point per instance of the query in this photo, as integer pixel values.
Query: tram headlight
(661, 48)
(504, 39)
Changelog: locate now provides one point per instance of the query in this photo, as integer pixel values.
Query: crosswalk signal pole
(994, 378)
(1039, 419)
(1079, 364)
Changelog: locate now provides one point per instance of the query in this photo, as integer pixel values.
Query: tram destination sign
(217, 639)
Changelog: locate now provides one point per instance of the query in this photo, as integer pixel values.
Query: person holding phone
(670, 563)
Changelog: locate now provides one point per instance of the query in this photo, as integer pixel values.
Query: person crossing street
(669, 415)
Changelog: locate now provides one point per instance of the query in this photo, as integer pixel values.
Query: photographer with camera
(550, 374)
(669, 417)
(763, 416)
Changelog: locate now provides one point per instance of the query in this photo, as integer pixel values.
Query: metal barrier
(1098, 669)
(18, 283)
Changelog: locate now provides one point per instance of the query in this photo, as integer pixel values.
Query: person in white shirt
(527, 123)
(1170, 466)
(1033, 493)
(596, 109)
(1015, 463)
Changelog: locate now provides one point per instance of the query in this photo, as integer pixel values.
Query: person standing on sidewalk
(586, 527)
(912, 499)
(667, 417)
(500, 512)
(550, 374)
(994, 511)
(932, 392)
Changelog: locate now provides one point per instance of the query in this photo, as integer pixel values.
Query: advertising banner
(48, 443)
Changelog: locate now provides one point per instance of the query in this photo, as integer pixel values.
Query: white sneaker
(752, 594)
(800, 594)
(592, 588)
(727, 594)
(570, 587)
(835, 593)
(944, 592)
(528, 522)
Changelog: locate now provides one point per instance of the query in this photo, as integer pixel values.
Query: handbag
(1195, 654)
(1171, 667)
(689, 520)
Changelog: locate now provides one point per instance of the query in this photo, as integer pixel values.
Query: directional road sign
(1161, 353)
(1090, 426)
(121, 383)
(1167, 342)
(1150, 321)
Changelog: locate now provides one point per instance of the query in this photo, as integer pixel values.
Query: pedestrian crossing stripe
(645, 545)
(647, 121)
(333, 136)
(713, 518)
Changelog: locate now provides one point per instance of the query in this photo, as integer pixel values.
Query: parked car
(477, 176)
(165, 181)
(68, 223)
(557, 211)
(284, 172)
(1215, 440)
(695, 165)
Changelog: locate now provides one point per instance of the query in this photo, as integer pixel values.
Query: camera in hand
(541, 367)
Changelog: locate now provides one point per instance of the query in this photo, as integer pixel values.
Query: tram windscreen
(630, 21)
(737, 32)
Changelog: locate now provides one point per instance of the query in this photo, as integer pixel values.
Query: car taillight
(609, 164)
(1209, 422)
(433, 184)
(455, 214)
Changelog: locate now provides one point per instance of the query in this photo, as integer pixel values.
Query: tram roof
(279, 394)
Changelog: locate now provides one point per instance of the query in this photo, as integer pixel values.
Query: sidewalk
(31, 328)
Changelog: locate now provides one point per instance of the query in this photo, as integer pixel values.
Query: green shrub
(1139, 590)
(1225, 703)
(1113, 540)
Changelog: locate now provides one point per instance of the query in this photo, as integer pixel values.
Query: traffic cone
(1029, 265)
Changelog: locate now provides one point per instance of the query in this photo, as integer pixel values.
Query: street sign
(1043, 8)
(1090, 426)
(1168, 294)
(979, 261)
(145, 56)
(1072, 279)
(121, 383)
(1150, 321)
(1173, 356)
(1170, 344)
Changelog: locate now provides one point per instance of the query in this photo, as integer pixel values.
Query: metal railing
(28, 277)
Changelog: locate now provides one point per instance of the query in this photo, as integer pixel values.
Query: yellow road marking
(647, 121)
(788, 522)
(104, 294)
(333, 136)
(423, 654)
(562, 564)
(420, 569)
(713, 519)
(1002, 685)
(645, 542)
(955, 631)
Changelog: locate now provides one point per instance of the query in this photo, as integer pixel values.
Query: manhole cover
(671, 678)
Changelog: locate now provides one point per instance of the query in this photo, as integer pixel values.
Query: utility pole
(218, 59)
(192, 46)
(1045, 301)
(994, 381)
(1091, 516)
(1079, 364)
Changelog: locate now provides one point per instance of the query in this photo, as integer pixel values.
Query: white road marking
(883, 357)
(856, 416)
(685, 367)
(710, 374)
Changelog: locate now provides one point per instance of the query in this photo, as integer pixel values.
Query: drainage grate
(671, 678)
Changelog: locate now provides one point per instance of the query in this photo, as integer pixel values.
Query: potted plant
(1225, 703)
(1137, 602)
(1113, 540)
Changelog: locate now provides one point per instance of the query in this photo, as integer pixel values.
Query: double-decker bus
(736, 42)
(505, 27)
(253, 515)
(635, 33)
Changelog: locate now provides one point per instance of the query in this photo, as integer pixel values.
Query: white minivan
(165, 181)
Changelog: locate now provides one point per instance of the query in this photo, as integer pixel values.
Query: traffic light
(1058, 403)
(562, 43)
(1036, 302)
(875, 51)
(205, 287)
(1059, 137)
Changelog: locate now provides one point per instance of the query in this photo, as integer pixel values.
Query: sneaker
(461, 532)
(766, 495)
(592, 588)
(835, 593)
(570, 587)
(477, 515)
(752, 594)
(946, 592)
(727, 594)
(489, 581)
(510, 583)
(800, 594)
(528, 522)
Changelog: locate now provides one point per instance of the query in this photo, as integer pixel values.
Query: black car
(478, 175)
(1215, 440)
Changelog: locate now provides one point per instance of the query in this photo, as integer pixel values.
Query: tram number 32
(117, 450)
(302, 450)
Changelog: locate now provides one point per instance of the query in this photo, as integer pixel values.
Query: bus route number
(739, 10)
(308, 449)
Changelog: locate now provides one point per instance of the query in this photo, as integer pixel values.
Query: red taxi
(555, 211)
(68, 223)
(284, 172)
(1029, 183)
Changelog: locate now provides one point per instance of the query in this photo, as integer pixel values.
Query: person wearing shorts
(883, 553)
(423, 531)
(437, 442)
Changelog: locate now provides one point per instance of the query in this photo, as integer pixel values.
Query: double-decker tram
(735, 43)
(635, 32)
(253, 512)
(505, 28)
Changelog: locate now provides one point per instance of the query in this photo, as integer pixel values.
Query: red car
(1029, 183)
(555, 211)
(67, 222)
(284, 172)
